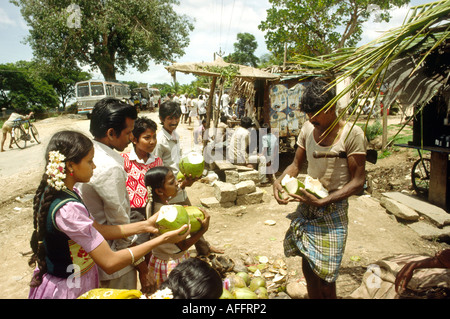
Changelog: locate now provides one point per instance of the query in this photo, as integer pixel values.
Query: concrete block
(245, 187)
(225, 192)
(252, 175)
(210, 202)
(250, 199)
(232, 176)
(398, 209)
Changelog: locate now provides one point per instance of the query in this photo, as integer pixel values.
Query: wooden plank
(438, 179)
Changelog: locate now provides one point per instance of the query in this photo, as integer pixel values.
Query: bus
(90, 92)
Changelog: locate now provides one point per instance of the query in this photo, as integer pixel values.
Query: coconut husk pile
(251, 277)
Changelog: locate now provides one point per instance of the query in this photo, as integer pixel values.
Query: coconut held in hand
(192, 164)
(292, 186)
(171, 217)
(194, 213)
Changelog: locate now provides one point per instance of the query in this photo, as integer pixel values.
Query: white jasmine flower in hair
(56, 170)
(166, 293)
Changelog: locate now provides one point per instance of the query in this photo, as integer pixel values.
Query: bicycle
(420, 175)
(21, 133)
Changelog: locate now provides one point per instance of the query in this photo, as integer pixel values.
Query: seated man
(238, 149)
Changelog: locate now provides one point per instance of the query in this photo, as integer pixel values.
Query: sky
(217, 23)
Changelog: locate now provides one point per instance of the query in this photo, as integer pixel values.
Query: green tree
(244, 50)
(63, 80)
(311, 27)
(22, 87)
(108, 35)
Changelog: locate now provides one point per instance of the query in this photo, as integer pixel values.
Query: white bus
(90, 92)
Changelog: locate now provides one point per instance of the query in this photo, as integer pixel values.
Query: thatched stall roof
(206, 69)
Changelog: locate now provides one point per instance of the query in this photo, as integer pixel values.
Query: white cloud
(5, 20)
(373, 30)
(217, 24)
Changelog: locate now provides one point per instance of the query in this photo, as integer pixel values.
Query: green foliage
(374, 130)
(244, 51)
(111, 35)
(312, 27)
(135, 85)
(63, 79)
(22, 87)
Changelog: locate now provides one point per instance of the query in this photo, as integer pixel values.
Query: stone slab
(398, 209)
(224, 165)
(430, 232)
(434, 214)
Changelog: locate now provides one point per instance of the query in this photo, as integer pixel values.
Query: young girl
(162, 185)
(67, 244)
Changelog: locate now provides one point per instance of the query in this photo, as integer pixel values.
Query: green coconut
(292, 185)
(244, 276)
(283, 195)
(171, 217)
(192, 164)
(244, 293)
(226, 295)
(261, 292)
(257, 282)
(315, 187)
(180, 176)
(194, 213)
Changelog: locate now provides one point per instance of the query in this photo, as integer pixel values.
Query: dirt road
(240, 231)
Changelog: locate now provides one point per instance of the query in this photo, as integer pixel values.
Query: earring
(71, 173)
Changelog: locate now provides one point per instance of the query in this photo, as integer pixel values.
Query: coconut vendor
(318, 230)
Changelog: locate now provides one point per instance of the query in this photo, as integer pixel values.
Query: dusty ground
(240, 231)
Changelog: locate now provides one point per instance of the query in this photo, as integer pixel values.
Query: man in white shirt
(201, 107)
(238, 149)
(184, 108)
(225, 100)
(106, 195)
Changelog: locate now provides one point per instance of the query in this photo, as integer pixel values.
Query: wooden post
(209, 107)
(385, 128)
(437, 193)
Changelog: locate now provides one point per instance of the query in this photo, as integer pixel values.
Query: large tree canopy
(22, 87)
(244, 50)
(108, 34)
(312, 27)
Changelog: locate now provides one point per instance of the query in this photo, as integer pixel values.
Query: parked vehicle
(90, 92)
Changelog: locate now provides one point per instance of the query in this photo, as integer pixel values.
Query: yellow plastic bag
(107, 293)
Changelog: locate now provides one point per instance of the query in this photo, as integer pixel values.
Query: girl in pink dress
(67, 243)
